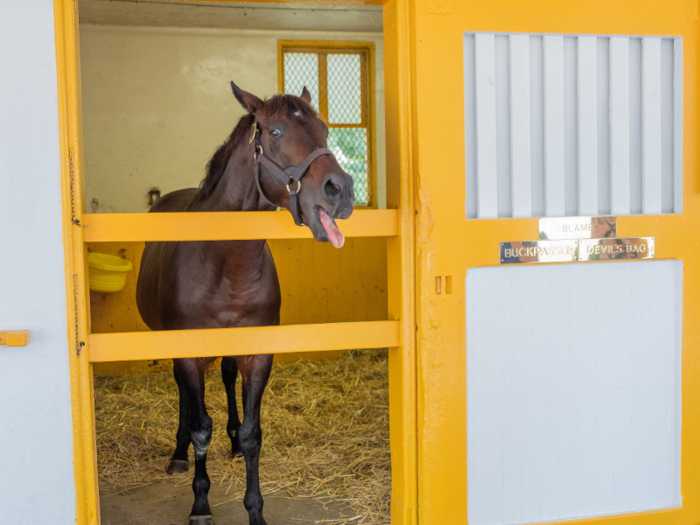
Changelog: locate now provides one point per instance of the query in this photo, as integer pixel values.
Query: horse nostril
(330, 189)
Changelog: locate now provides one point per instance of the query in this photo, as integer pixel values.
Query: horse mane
(217, 164)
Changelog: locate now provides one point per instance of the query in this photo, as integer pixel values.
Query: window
(338, 76)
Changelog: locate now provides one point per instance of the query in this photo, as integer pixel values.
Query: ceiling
(230, 15)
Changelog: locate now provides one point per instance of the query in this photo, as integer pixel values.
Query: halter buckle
(298, 187)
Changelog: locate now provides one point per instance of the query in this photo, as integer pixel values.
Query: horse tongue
(334, 234)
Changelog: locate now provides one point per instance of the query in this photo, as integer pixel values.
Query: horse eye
(275, 133)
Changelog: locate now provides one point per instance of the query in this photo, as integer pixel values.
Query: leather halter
(290, 176)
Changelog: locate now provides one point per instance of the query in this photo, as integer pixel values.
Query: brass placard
(520, 252)
(614, 249)
(557, 228)
(538, 251)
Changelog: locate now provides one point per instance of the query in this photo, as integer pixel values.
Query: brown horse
(222, 284)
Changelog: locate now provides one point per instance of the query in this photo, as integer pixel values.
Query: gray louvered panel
(572, 125)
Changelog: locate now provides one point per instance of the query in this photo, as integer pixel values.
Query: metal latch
(15, 338)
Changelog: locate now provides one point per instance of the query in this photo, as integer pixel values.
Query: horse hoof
(202, 520)
(178, 466)
(236, 453)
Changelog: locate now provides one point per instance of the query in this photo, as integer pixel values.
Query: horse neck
(238, 190)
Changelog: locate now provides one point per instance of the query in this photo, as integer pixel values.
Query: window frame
(366, 51)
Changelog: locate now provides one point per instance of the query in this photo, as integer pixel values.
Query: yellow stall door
(557, 233)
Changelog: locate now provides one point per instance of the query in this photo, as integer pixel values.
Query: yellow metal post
(398, 59)
(69, 114)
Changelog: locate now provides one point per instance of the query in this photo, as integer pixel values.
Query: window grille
(573, 125)
(339, 80)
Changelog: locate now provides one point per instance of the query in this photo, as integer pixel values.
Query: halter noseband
(289, 176)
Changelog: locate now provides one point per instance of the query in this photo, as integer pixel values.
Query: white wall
(36, 472)
(573, 390)
(157, 103)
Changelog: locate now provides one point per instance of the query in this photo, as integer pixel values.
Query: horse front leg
(229, 372)
(255, 371)
(191, 374)
(180, 461)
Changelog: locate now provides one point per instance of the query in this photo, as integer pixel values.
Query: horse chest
(260, 298)
(241, 299)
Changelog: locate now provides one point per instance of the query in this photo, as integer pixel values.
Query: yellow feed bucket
(107, 272)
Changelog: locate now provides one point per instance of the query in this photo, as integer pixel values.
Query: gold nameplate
(614, 249)
(538, 251)
(555, 228)
(520, 252)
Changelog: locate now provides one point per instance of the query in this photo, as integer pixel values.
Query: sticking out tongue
(334, 234)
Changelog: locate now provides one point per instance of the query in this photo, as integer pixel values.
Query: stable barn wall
(157, 103)
(36, 433)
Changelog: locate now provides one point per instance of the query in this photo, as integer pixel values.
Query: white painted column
(651, 125)
(587, 125)
(487, 178)
(520, 125)
(554, 125)
(619, 126)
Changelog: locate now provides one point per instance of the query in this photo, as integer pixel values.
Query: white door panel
(573, 390)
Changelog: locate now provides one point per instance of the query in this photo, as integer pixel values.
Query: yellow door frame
(87, 509)
(397, 224)
(449, 244)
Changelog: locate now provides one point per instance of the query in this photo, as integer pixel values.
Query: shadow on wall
(319, 285)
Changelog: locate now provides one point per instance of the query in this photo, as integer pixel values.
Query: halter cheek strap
(290, 177)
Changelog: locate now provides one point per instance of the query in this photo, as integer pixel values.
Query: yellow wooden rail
(215, 226)
(129, 346)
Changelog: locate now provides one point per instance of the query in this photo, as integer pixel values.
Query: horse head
(295, 170)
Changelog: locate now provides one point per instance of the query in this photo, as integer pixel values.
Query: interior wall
(157, 103)
(36, 431)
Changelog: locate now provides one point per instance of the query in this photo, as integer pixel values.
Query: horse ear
(250, 102)
(306, 96)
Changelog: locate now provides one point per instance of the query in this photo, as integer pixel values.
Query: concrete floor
(166, 504)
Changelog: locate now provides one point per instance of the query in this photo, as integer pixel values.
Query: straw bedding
(325, 433)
